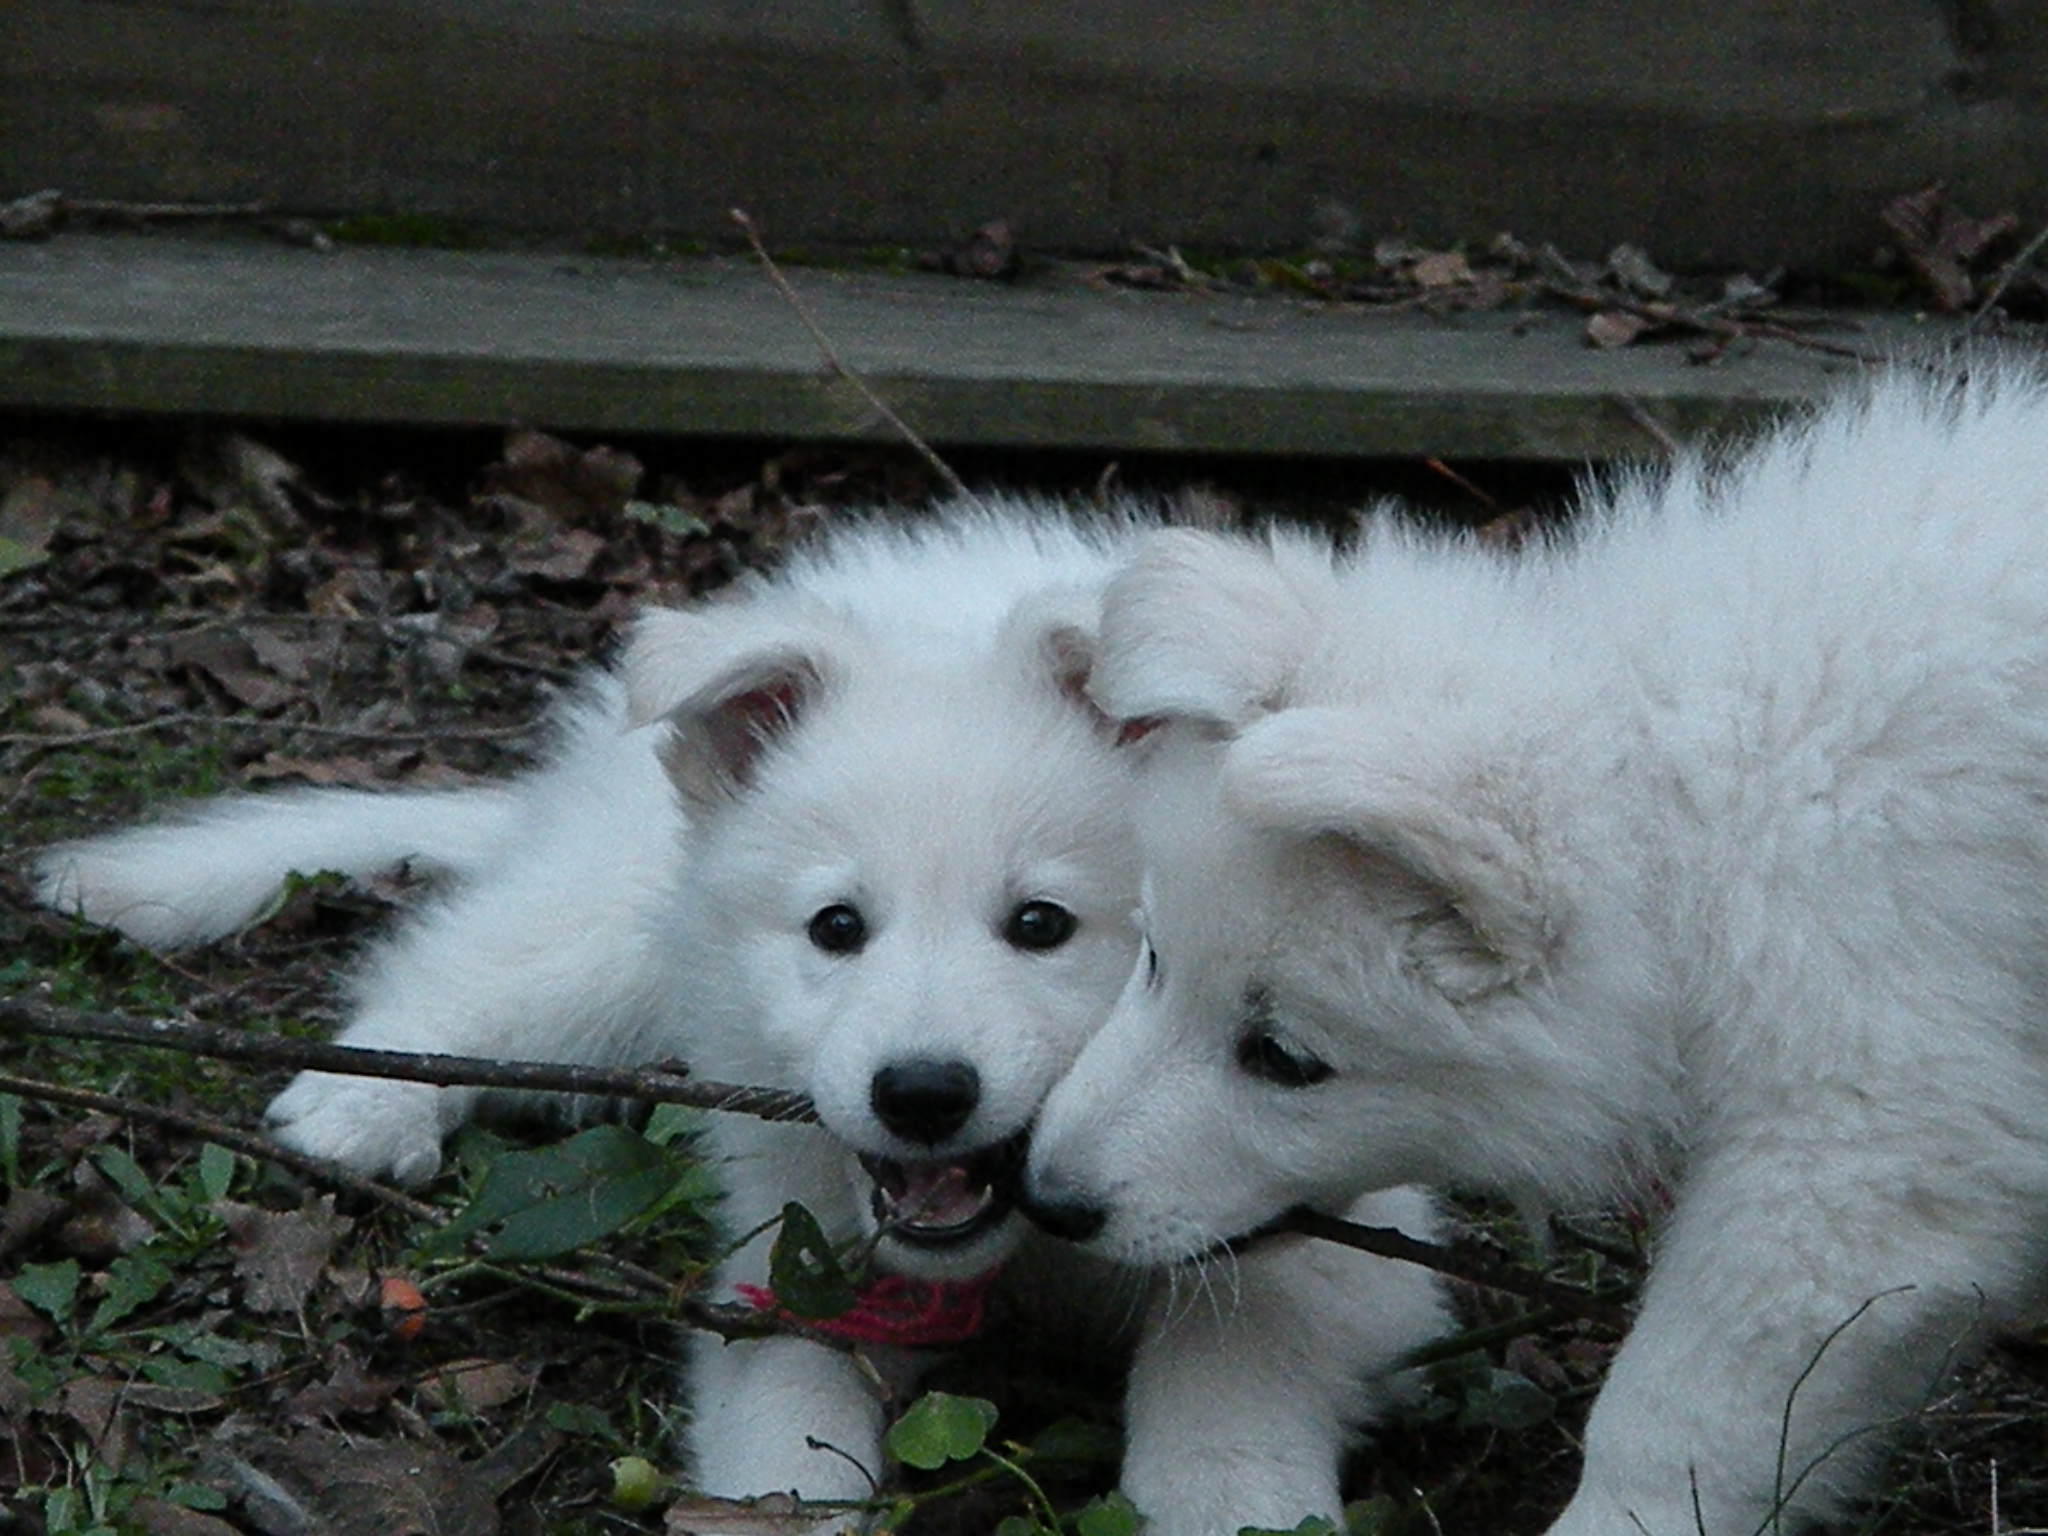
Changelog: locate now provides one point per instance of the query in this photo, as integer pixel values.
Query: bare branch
(206, 1128)
(728, 1319)
(1604, 1307)
(669, 1083)
(47, 739)
(664, 1083)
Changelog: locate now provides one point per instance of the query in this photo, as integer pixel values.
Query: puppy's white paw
(1221, 1494)
(774, 1514)
(373, 1126)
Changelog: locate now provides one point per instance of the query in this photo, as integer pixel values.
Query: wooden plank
(1747, 132)
(706, 347)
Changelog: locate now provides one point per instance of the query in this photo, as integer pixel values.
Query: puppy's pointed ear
(1058, 635)
(1199, 627)
(729, 687)
(1430, 821)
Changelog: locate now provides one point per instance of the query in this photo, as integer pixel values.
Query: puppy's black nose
(1063, 1215)
(924, 1100)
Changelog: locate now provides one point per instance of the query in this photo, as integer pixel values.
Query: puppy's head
(1348, 917)
(911, 854)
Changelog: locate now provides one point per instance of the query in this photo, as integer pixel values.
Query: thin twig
(51, 740)
(1603, 1307)
(1472, 1340)
(209, 1129)
(119, 209)
(729, 1320)
(1477, 493)
(833, 361)
(663, 1084)
(2006, 274)
(1652, 428)
(1677, 316)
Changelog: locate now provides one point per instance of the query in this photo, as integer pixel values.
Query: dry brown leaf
(279, 1255)
(566, 483)
(230, 660)
(18, 1320)
(477, 1386)
(34, 217)
(1615, 328)
(349, 1390)
(1632, 268)
(102, 1225)
(28, 1212)
(1939, 242)
(94, 1404)
(237, 471)
(772, 1512)
(160, 1517)
(353, 771)
(290, 657)
(30, 513)
(320, 1483)
(1441, 269)
(989, 253)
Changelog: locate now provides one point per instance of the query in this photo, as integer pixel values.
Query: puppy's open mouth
(943, 1205)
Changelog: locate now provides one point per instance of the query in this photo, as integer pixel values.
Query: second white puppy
(1711, 844)
(858, 833)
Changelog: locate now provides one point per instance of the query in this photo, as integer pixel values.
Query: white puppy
(859, 833)
(1710, 844)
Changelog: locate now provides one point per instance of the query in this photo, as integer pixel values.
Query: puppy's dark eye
(1265, 1056)
(838, 929)
(1039, 925)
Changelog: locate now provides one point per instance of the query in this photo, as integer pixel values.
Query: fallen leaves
(281, 1255)
(1942, 244)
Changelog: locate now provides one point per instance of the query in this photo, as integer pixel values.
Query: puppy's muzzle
(1062, 1212)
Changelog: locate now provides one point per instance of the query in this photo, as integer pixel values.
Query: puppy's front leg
(1813, 1287)
(759, 1404)
(1252, 1376)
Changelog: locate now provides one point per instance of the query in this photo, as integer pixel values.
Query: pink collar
(895, 1309)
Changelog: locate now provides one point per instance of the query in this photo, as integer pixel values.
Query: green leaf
(49, 1288)
(1507, 1400)
(196, 1496)
(10, 1139)
(582, 1419)
(939, 1428)
(668, 517)
(216, 1171)
(804, 1272)
(1079, 1440)
(1110, 1515)
(133, 1280)
(127, 1176)
(892, 1518)
(670, 1123)
(1018, 1525)
(553, 1199)
(188, 1375)
(19, 555)
(1379, 1515)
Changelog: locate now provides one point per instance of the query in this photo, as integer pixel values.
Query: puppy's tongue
(939, 1195)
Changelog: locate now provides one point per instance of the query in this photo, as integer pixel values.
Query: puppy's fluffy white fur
(1708, 842)
(893, 723)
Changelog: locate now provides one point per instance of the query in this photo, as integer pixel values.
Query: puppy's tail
(205, 875)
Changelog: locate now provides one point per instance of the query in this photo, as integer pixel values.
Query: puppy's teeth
(941, 1196)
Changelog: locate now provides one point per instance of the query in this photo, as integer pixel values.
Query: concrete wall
(1745, 131)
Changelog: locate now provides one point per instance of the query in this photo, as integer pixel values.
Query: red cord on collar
(895, 1309)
